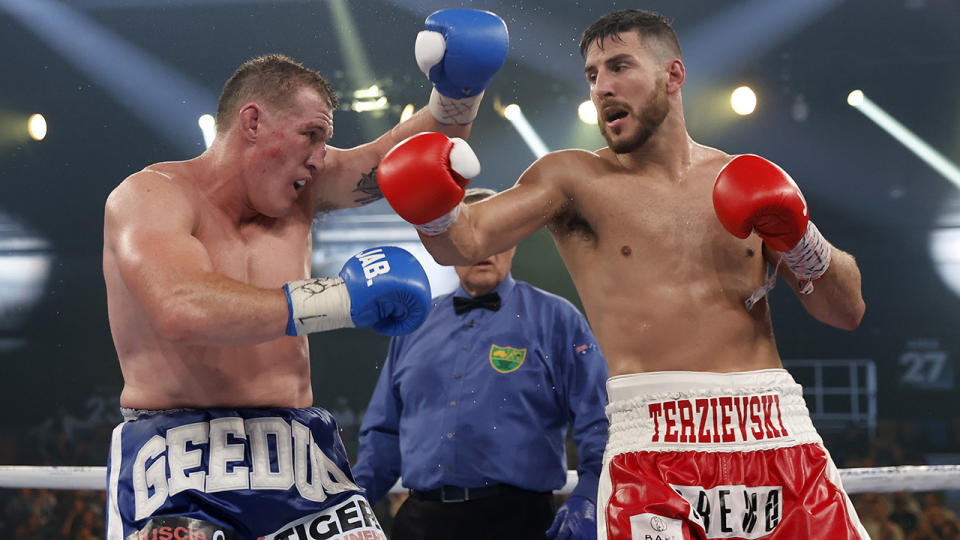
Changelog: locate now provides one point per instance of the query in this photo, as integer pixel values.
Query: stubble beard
(652, 115)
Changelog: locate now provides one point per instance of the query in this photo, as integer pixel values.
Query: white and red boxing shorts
(717, 455)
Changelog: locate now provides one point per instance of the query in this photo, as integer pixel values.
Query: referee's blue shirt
(486, 397)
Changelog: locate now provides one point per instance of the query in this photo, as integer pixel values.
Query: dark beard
(654, 113)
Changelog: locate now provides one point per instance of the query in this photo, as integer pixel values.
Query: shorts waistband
(707, 412)
(133, 414)
(658, 382)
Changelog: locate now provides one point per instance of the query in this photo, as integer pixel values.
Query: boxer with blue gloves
(207, 264)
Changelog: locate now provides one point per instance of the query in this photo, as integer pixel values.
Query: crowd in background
(67, 440)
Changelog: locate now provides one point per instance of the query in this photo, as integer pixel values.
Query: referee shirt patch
(506, 359)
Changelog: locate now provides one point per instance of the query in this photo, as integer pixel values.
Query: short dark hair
(645, 23)
(477, 194)
(273, 78)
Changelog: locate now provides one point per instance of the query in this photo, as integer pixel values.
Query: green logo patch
(506, 359)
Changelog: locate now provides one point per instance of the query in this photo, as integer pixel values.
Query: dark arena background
(124, 83)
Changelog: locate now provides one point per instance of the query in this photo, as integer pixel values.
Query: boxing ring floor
(859, 480)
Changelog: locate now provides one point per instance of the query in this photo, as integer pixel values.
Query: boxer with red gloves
(709, 435)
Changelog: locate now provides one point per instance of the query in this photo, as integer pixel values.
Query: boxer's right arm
(148, 231)
(424, 177)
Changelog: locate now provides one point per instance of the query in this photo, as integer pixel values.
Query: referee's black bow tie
(489, 301)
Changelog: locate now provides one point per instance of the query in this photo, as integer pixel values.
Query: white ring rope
(874, 479)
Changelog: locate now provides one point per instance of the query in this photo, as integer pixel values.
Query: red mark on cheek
(274, 152)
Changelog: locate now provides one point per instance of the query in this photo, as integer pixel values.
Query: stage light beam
(858, 100)
(359, 70)
(163, 97)
(516, 117)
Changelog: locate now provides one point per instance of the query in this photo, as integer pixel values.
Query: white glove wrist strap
(441, 224)
(809, 259)
(319, 304)
(447, 110)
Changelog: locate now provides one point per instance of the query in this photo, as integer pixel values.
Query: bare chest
(618, 211)
(264, 254)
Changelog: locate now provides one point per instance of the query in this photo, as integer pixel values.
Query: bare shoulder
(576, 158)
(563, 168)
(710, 160)
(160, 189)
(708, 154)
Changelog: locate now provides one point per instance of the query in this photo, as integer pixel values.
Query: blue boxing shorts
(225, 474)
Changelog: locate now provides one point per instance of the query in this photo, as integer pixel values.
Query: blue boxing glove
(460, 51)
(384, 288)
(388, 290)
(575, 520)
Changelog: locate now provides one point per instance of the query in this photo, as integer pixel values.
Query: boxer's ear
(676, 75)
(248, 118)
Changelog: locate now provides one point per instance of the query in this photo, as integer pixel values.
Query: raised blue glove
(383, 287)
(575, 520)
(460, 51)
(388, 290)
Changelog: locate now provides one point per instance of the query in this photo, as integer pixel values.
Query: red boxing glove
(424, 177)
(753, 193)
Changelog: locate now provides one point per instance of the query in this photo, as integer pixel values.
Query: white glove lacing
(447, 110)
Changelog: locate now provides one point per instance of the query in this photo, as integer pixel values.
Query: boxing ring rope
(872, 479)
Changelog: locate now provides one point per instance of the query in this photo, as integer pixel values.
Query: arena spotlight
(858, 100)
(587, 112)
(516, 117)
(407, 112)
(37, 127)
(743, 100)
(369, 99)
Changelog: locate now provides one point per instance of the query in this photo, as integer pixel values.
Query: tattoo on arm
(368, 188)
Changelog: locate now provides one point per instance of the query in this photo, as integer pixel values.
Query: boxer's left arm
(753, 194)
(460, 51)
(424, 179)
(836, 298)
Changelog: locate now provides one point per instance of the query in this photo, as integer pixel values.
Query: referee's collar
(504, 289)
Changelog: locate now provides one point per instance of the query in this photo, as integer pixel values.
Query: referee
(473, 408)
